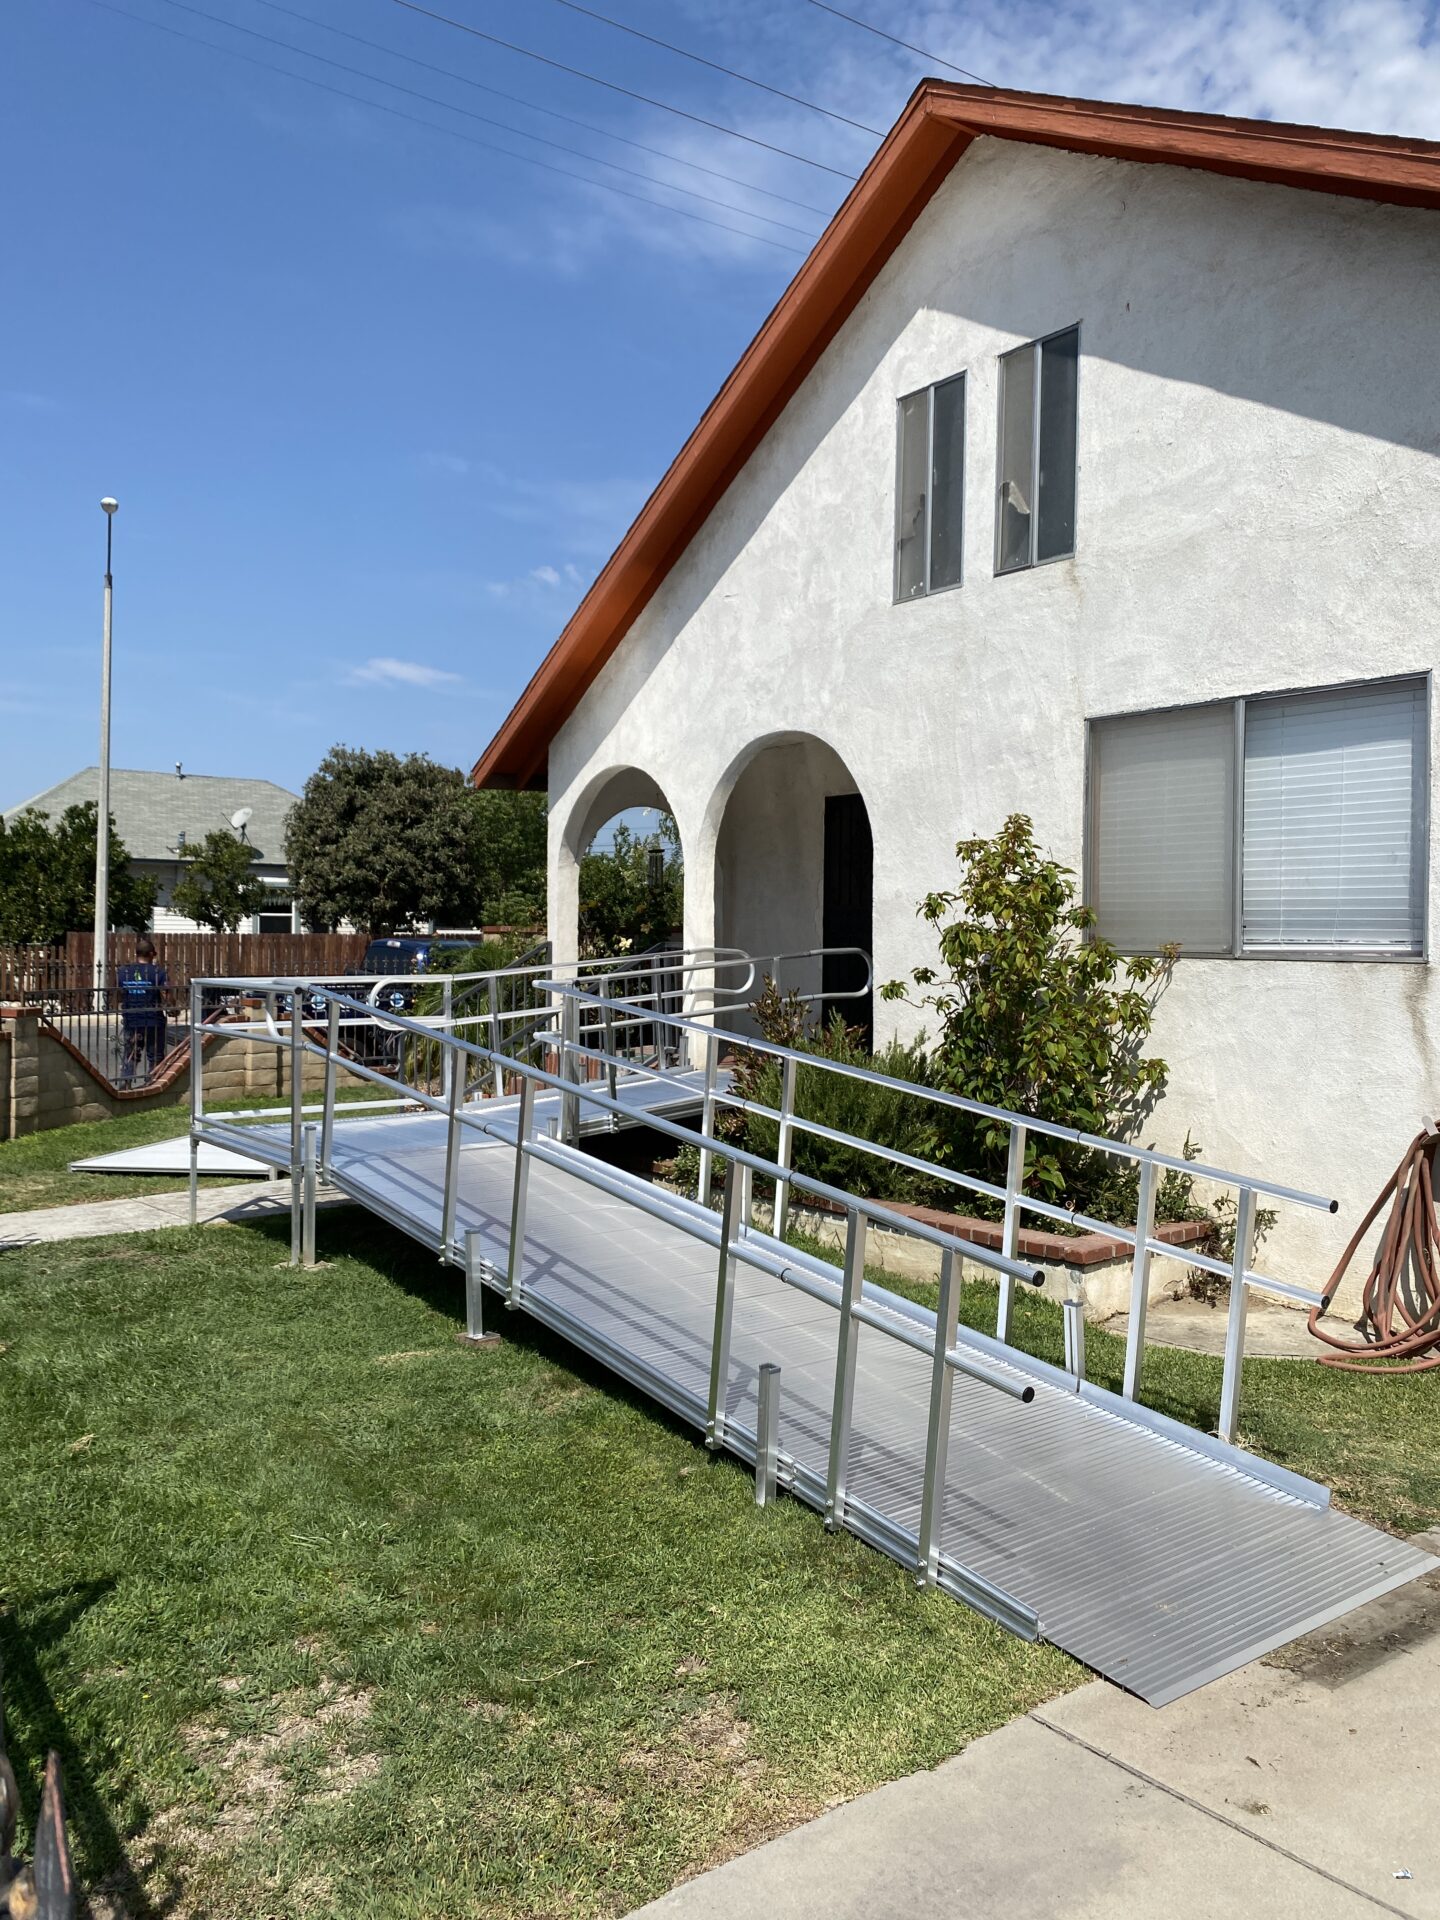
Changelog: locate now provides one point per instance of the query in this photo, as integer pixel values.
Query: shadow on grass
(35, 1725)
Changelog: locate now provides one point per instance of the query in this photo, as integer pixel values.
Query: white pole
(100, 971)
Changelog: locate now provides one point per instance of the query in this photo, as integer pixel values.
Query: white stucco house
(1089, 468)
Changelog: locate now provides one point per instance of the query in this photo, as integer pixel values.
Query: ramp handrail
(738, 1240)
(1239, 1271)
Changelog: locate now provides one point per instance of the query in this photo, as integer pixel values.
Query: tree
(47, 878)
(510, 833)
(1036, 1014)
(384, 842)
(219, 888)
(627, 898)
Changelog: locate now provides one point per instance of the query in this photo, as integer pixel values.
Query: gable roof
(938, 124)
(151, 810)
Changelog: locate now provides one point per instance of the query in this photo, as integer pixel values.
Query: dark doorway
(848, 906)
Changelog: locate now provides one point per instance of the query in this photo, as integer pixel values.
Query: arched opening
(794, 870)
(629, 867)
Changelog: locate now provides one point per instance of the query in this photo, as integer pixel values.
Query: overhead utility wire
(452, 133)
(579, 73)
(716, 67)
(534, 106)
(895, 40)
(431, 100)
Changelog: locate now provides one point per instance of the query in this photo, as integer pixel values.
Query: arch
(788, 835)
(614, 790)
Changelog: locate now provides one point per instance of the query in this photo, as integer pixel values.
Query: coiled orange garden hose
(1399, 1325)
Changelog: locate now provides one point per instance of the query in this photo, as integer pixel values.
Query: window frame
(897, 598)
(1039, 344)
(1420, 816)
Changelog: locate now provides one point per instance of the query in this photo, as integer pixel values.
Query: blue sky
(377, 403)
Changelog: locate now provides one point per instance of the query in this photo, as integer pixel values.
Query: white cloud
(547, 576)
(385, 672)
(454, 464)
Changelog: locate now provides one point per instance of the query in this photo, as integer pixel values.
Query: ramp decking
(1149, 1551)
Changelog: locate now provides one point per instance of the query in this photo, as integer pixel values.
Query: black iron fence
(126, 1044)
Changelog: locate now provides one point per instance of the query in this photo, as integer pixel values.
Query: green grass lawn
(330, 1615)
(35, 1169)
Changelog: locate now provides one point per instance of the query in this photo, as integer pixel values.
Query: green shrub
(1035, 1013)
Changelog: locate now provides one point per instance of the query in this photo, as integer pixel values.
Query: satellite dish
(241, 819)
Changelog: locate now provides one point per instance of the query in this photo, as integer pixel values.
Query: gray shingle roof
(151, 809)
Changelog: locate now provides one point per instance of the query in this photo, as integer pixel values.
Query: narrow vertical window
(1035, 510)
(930, 489)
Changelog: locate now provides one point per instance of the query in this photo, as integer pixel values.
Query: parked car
(405, 954)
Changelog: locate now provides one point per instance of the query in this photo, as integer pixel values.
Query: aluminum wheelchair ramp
(1158, 1556)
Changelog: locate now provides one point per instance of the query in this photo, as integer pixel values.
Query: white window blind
(1161, 829)
(1333, 832)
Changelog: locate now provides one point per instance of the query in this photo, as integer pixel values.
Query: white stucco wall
(1259, 508)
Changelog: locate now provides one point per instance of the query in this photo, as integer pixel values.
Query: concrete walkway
(143, 1213)
(1302, 1785)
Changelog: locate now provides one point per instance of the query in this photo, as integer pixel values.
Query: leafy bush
(1036, 1014)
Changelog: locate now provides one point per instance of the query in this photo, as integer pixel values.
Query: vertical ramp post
(1235, 1325)
(520, 1192)
(492, 993)
(1074, 1309)
(197, 1099)
(937, 1431)
(307, 1227)
(569, 1068)
(607, 1020)
(452, 1158)
(705, 1181)
(327, 1117)
(194, 1181)
(785, 1148)
(475, 1334)
(1140, 1281)
(767, 1434)
(447, 1026)
(852, 1288)
(724, 1314)
(1010, 1235)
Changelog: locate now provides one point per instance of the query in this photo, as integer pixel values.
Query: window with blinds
(1162, 798)
(1333, 794)
(1334, 823)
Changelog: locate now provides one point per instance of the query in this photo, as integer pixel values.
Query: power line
(534, 106)
(483, 119)
(716, 67)
(894, 39)
(578, 73)
(452, 133)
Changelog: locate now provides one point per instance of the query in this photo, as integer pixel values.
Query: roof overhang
(938, 124)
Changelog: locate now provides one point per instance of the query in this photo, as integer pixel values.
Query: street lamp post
(100, 972)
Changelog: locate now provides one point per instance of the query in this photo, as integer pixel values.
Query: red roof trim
(932, 133)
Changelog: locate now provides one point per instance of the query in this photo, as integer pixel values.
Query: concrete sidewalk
(143, 1213)
(1299, 1786)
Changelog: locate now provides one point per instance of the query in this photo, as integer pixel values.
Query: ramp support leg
(519, 1192)
(937, 1433)
(1010, 1234)
(1139, 1281)
(852, 1288)
(194, 1181)
(307, 1217)
(332, 1055)
(1229, 1424)
(452, 1156)
(1074, 1308)
(475, 1334)
(767, 1435)
(724, 1312)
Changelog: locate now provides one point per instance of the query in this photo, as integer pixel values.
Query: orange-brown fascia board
(938, 124)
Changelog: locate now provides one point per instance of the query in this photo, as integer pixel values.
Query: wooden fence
(185, 956)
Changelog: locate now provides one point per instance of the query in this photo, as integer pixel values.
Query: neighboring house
(158, 814)
(1088, 468)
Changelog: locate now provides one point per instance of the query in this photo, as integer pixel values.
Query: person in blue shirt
(141, 986)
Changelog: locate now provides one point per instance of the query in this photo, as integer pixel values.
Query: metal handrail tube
(957, 1102)
(977, 1370)
(874, 1211)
